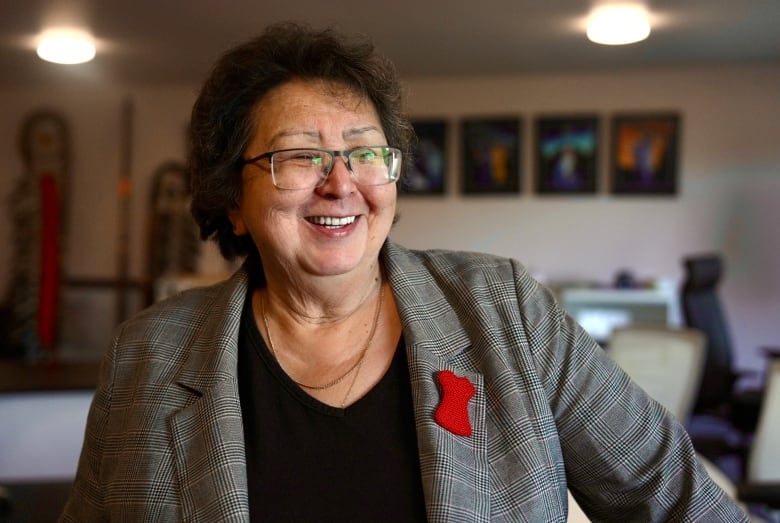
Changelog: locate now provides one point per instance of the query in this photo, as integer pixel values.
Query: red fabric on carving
(50, 263)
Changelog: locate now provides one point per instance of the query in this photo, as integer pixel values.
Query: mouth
(332, 222)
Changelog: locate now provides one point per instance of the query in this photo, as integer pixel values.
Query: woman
(338, 376)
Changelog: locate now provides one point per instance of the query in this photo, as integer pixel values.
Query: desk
(34, 502)
(600, 310)
(43, 412)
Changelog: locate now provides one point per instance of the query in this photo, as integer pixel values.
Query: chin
(334, 266)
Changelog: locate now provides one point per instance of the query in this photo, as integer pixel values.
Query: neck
(321, 346)
(322, 299)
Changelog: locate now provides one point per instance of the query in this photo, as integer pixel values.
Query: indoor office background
(728, 161)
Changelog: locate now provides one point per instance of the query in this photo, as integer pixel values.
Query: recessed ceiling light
(618, 25)
(66, 47)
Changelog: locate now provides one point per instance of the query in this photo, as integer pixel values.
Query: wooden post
(124, 190)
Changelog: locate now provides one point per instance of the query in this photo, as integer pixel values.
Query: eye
(304, 155)
(304, 158)
(366, 156)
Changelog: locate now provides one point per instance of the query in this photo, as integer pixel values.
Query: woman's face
(287, 226)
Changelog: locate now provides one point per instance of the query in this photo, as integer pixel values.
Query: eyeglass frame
(345, 153)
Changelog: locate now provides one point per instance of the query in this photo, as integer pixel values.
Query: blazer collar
(213, 355)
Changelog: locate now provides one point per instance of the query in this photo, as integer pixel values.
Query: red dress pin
(452, 412)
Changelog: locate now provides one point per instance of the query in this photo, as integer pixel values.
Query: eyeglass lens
(307, 168)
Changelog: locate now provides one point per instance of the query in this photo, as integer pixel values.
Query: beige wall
(730, 183)
(729, 189)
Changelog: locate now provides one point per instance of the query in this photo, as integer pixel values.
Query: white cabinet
(599, 310)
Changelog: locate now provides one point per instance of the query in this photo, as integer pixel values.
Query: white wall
(729, 164)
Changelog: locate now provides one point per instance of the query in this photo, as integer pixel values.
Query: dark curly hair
(222, 121)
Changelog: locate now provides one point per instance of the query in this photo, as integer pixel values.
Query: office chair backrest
(702, 310)
(764, 459)
(667, 363)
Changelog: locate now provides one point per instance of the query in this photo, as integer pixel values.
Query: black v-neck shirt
(308, 461)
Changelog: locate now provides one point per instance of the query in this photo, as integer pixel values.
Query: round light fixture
(66, 47)
(618, 25)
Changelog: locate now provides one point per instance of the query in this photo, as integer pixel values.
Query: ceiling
(177, 40)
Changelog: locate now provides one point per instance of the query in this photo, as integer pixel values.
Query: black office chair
(702, 310)
(724, 414)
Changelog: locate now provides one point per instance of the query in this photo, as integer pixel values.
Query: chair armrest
(760, 493)
(743, 373)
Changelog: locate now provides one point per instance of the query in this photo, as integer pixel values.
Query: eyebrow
(351, 133)
(314, 135)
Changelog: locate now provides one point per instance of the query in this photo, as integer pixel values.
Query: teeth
(332, 221)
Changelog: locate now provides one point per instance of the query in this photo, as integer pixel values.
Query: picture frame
(426, 173)
(491, 155)
(644, 153)
(567, 149)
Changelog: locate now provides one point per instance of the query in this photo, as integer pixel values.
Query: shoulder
(186, 316)
(462, 281)
(464, 271)
(443, 261)
(194, 302)
(484, 288)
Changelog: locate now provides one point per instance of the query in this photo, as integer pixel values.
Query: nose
(339, 180)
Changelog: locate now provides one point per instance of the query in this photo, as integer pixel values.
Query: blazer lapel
(454, 468)
(455, 473)
(208, 435)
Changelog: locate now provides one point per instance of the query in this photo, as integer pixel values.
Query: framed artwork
(427, 172)
(645, 153)
(491, 156)
(567, 154)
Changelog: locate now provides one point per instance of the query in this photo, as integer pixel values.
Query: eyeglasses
(309, 168)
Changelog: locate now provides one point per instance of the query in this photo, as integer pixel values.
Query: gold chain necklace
(357, 364)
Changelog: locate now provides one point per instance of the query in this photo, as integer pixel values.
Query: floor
(33, 502)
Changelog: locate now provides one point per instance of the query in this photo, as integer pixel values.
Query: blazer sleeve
(85, 502)
(163, 439)
(626, 458)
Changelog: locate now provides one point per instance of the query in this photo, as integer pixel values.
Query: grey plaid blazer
(164, 439)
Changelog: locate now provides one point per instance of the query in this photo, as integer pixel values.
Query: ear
(239, 227)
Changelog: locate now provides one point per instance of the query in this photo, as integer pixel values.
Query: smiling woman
(337, 376)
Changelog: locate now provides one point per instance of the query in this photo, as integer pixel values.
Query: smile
(331, 222)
